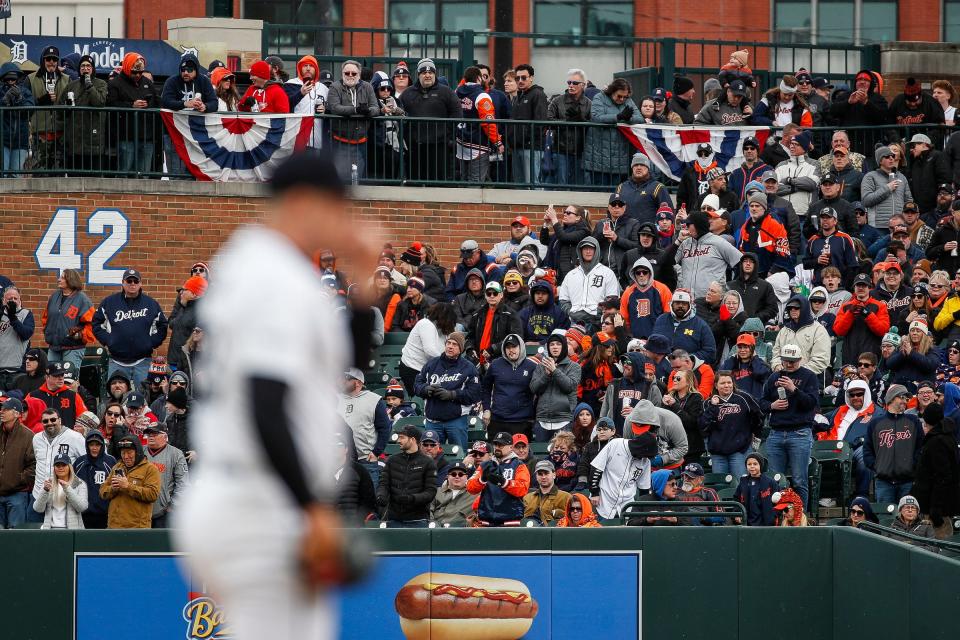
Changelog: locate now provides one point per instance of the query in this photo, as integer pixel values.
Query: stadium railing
(132, 143)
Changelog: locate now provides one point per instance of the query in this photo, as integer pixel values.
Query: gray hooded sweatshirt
(671, 438)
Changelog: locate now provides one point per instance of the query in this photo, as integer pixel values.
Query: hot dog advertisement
(448, 606)
(412, 595)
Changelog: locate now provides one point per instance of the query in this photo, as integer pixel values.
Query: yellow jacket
(945, 318)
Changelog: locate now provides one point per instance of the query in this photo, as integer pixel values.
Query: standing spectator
(686, 401)
(944, 93)
(66, 321)
(174, 475)
(778, 148)
(606, 151)
(644, 300)
(755, 492)
(543, 315)
(54, 439)
(408, 483)
(920, 233)
(841, 141)
(16, 329)
(501, 483)
(132, 486)
(585, 287)
(861, 321)
(426, 341)
(355, 100)
(15, 92)
(264, 95)
(885, 190)
(413, 307)
(19, 465)
(491, 324)
(892, 445)
(508, 403)
(365, 413)
(782, 105)
(749, 371)
(799, 176)
(731, 109)
(831, 188)
(453, 504)
(829, 247)
(749, 170)
(865, 106)
(471, 257)
(356, 494)
(451, 386)
(802, 330)
(568, 231)
(132, 89)
(427, 98)
(183, 319)
(916, 359)
(131, 325)
(703, 256)
(85, 130)
(937, 485)
(616, 234)
(546, 502)
(680, 102)
(763, 236)
(850, 177)
(309, 96)
(570, 106)
(48, 85)
(476, 140)
(67, 403)
(64, 497)
(927, 169)
(530, 103)
(731, 421)
(695, 181)
(817, 104)
(757, 294)
(641, 193)
(176, 417)
(891, 290)
(943, 247)
(791, 396)
(225, 84)
(93, 468)
(914, 107)
(684, 330)
(554, 382)
(190, 90)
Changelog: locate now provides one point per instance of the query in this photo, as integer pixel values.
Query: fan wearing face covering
(693, 181)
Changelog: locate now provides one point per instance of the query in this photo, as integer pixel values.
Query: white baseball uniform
(622, 476)
(265, 316)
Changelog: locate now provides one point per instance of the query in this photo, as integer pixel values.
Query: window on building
(443, 15)
(303, 13)
(853, 22)
(951, 21)
(220, 8)
(575, 18)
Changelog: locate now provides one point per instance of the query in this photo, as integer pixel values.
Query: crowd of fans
(362, 114)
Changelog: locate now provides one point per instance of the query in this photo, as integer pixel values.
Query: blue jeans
(175, 167)
(373, 468)
(451, 431)
(890, 492)
(569, 170)
(135, 157)
(32, 515)
(526, 166)
(73, 356)
(13, 159)
(735, 464)
(543, 435)
(862, 475)
(137, 373)
(345, 155)
(407, 524)
(13, 509)
(788, 451)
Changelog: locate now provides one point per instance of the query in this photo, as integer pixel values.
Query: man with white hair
(350, 97)
(570, 106)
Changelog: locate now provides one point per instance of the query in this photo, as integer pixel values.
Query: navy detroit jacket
(130, 328)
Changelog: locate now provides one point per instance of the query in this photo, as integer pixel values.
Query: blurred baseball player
(260, 527)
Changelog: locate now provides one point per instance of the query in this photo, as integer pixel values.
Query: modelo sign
(522, 594)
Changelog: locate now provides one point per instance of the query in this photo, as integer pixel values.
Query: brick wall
(187, 222)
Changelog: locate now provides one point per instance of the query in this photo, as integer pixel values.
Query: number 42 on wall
(57, 249)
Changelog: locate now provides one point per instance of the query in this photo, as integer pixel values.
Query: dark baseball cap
(503, 438)
(160, 427)
(615, 198)
(822, 83)
(830, 177)
(430, 436)
(659, 94)
(863, 279)
(751, 141)
(135, 400)
(62, 458)
(738, 88)
(55, 369)
(12, 403)
(693, 469)
(946, 187)
(131, 273)
(326, 77)
(459, 466)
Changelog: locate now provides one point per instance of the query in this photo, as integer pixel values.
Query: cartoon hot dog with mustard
(449, 606)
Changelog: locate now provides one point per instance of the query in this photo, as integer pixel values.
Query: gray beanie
(639, 158)
(426, 64)
(759, 198)
(880, 152)
(712, 84)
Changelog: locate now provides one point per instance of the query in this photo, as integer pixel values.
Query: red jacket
(270, 99)
(875, 315)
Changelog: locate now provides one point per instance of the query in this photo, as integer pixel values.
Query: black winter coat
(437, 101)
(937, 481)
(505, 322)
(562, 254)
(434, 280)
(183, 319)
(528, 105)
(925, 174)
(123, 91)
(356, 498)
(408, 483)
(944, 233)
(177, 430)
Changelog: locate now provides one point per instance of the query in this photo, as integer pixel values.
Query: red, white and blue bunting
(672, 148)
(242, 147)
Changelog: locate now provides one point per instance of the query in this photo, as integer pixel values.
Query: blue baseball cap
(659, 94)
(430, 436)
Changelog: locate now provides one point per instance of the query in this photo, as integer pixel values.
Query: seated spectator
(396, 401)
(564, 455)
(692, 489)
(501, 484)
(470, 257)
(843, 166)
(93, 468)
(664, 487)
(471, 300)
(908, 520)
(546, 502)
(606, 152)
(451, 386)
(563, 252)
(644, 301)
(579, 513)
(490, 325)
(520, 236)
(818, 307)
(685, 330)
(836, 295)
(916, 359)
(858, 512)
(790, 506)
(686, 402)
(34, 372)
(849, 424)
(755, 292)
(64, 497)
(543, 316)
(703, 373)
(586, 286)
(554, 382)
(755, 492)
(778, 147)
(413, 307)
(453, 504)
(802, 330)
(694, 180)
(730, 422)
(132, 486)
(56, 395)
(356, 498)
(762, 349)
(892, 291)
(732, 109)
(516, 296)
(408, 483)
